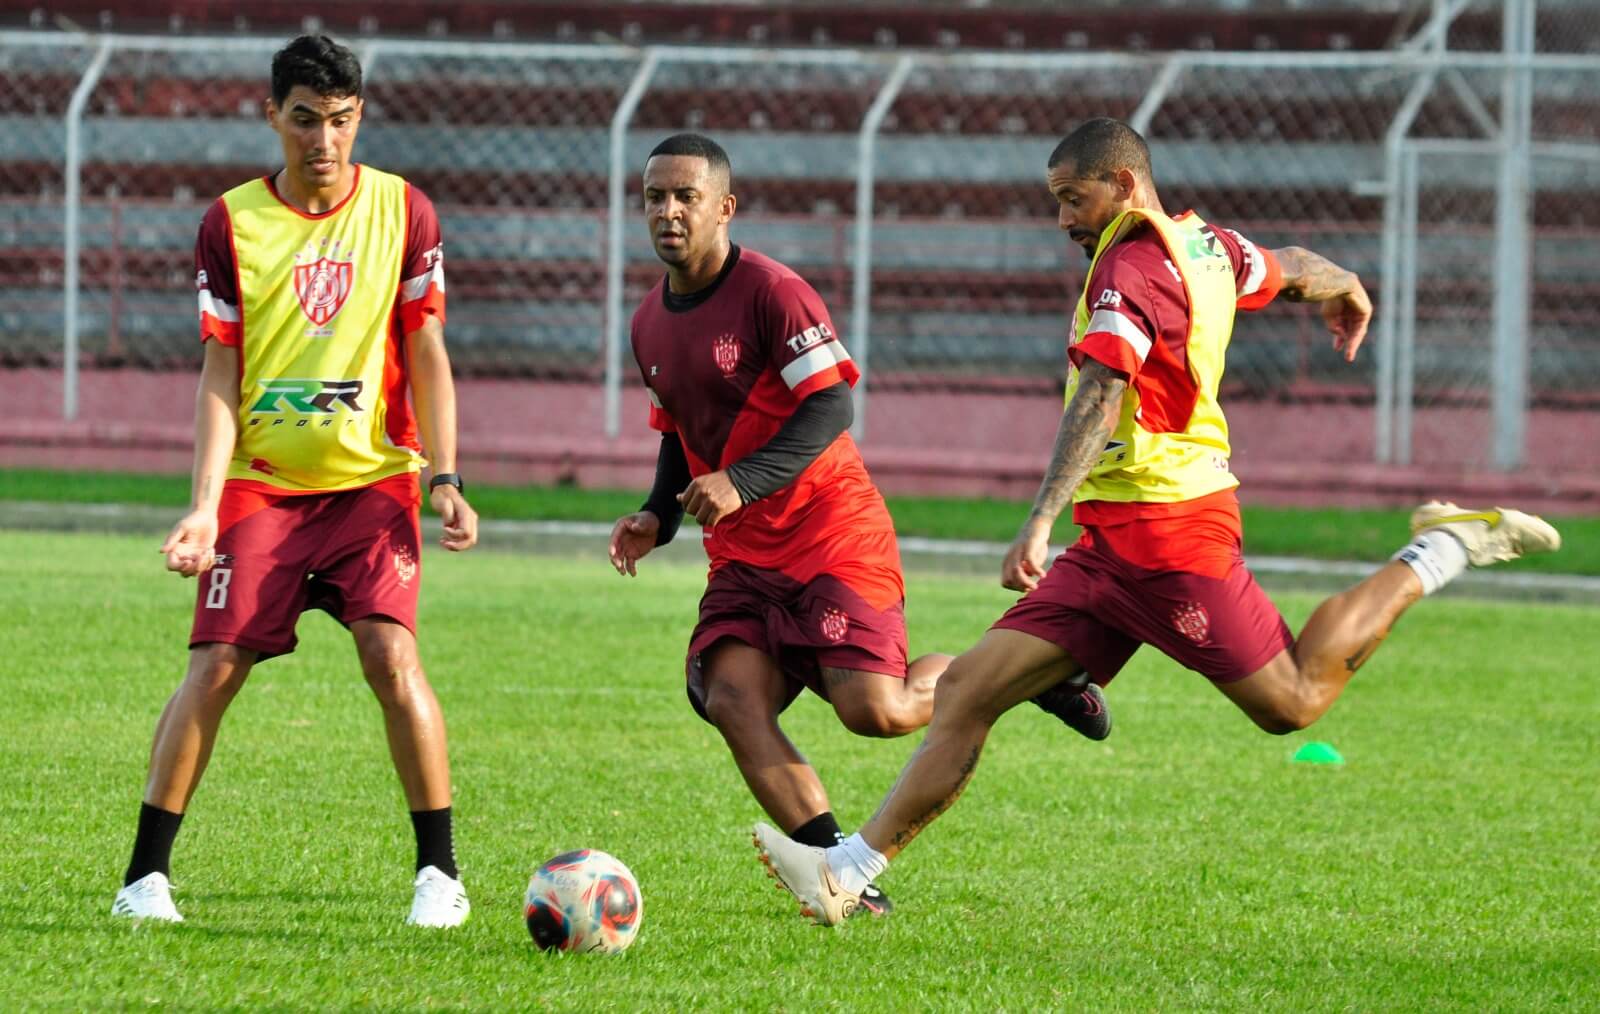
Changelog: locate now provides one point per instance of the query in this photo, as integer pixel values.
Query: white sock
(1436, 556)
(856, 863)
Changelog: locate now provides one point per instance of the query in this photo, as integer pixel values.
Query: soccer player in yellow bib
(1142, 453)
(321, 299)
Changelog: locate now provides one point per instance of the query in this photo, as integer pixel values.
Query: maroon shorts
(1099, 608)
(354, 554)
(805, 627)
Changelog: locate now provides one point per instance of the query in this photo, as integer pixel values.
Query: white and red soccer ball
(584, 901)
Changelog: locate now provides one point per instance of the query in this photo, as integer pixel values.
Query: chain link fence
(532, 155)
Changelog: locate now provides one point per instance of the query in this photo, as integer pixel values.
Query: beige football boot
(1489, 536)
(803, 871)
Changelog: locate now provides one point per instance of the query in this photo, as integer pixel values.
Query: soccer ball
(583, 901)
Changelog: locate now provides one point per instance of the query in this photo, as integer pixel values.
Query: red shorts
(1099, 608)
(354, 554)
(805, 627)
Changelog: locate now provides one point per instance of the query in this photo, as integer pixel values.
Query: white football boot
(803, 871)
(149, 897)
(440, 900)
(1489, 536)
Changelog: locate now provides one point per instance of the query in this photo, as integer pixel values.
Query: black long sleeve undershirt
(672, 477)
(815, 424)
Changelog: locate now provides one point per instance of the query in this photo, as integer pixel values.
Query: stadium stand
(1103, 25)
(968, 282)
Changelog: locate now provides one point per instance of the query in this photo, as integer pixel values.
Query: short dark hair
(1099, 147)
(698, 146)
(318, 63)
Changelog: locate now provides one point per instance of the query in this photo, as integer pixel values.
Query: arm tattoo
(1312, 278)
(1087, 425)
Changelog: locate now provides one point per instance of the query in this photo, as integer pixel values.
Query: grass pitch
(1183, 864)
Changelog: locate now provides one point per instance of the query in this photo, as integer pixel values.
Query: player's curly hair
(318, 63)
(699, 146)
(1099, 147)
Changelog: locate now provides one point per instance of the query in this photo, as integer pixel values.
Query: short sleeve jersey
(1139, 325)
(319, 306)
(725, 373)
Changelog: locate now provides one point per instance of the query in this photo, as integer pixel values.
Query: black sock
(821, 831)
(152, 846)
(435, 846)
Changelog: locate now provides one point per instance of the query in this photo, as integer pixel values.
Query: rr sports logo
(283, 396)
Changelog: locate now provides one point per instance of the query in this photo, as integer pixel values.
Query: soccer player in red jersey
(1142, 450)
(321, 291)
(750, 388)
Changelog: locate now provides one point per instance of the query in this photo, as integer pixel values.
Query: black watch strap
(446, 479)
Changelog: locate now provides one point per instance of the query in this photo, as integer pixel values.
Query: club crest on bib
(322, 281)
(1192, 621)
(725, 349)
(405, 565)
(835, 624)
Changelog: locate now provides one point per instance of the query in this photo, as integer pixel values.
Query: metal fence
(907, 187)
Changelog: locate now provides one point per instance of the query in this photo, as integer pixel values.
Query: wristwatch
(447, 479)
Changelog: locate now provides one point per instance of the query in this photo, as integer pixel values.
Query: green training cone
(1317, 753)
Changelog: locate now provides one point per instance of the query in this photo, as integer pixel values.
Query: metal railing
(907, 185)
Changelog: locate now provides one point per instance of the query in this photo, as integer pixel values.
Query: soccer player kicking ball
(750, 388)
(1142, 451)
(321, 301)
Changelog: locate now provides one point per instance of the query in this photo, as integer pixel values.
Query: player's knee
(393, 681)
(1283, 718)
(961, 695)
(733, 711)
(875, 720)
(218, 670)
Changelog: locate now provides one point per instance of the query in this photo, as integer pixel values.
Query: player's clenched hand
(460, 520)
(710, 498)
(1025, 560)
(631, 538)
(1347, 316)
(191, 546)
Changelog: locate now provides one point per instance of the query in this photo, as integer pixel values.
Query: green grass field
(1324, 534)
(1183, 864)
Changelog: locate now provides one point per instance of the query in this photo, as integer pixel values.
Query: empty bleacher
(969, 273)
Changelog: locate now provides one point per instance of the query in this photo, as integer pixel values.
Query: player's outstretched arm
(433, 390)
(1090, 419)
(190, 546)
(1311, 278)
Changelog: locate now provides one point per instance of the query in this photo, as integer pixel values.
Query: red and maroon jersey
(724, 368)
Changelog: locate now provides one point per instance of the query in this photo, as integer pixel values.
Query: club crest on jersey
(1192, 621)
(322, 281)
(835, 624)
(405, 565)
(725, 349)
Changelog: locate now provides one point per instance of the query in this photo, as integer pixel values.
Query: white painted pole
(1157, 94)
(71, 202)
(1406, 351)
(616, 213)
(1509, 339)
(860, 337)
(1388, 394)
